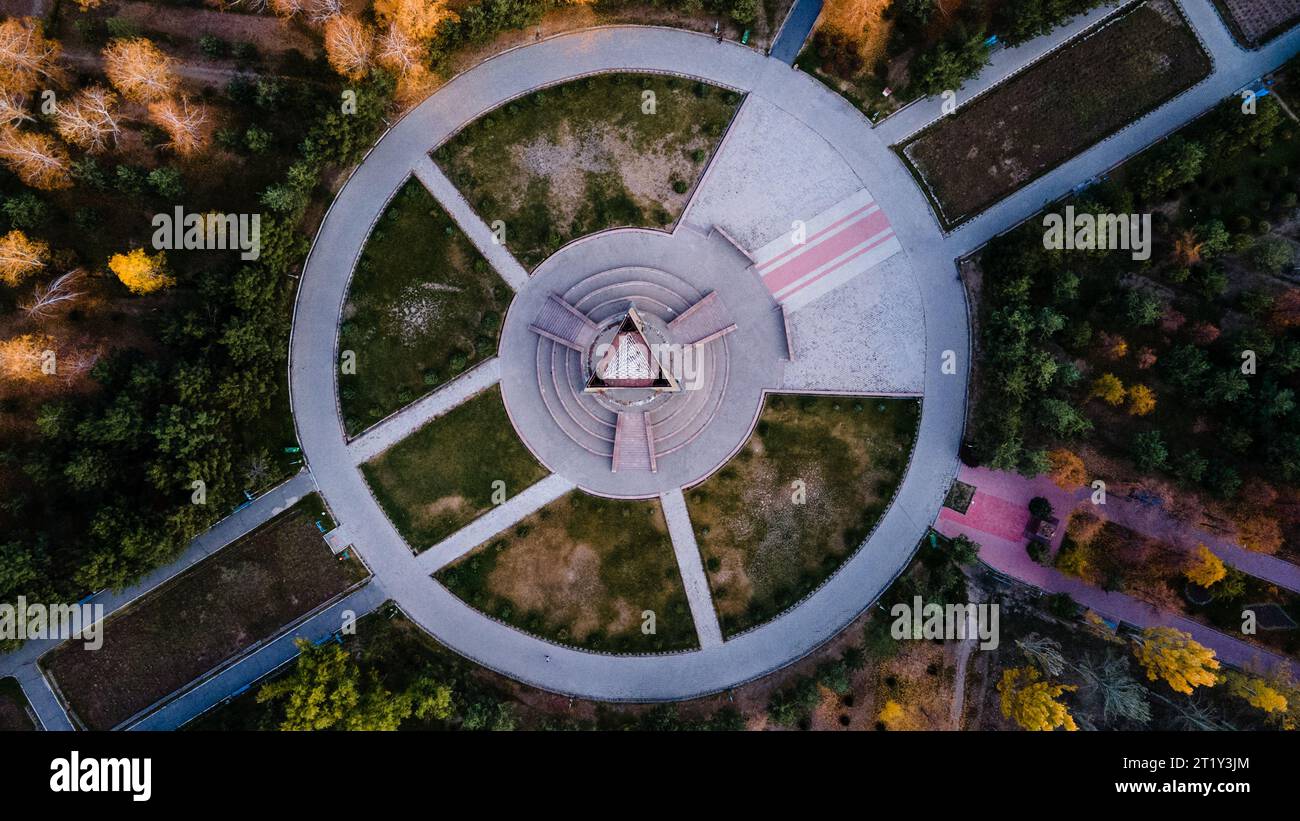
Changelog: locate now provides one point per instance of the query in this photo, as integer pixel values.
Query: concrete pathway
(499, 518)
(692, 569)
(478, 232)
(41, 696)
(245, 672)
(388, 432)
(865, 152)
(500, 647)
(996, 520)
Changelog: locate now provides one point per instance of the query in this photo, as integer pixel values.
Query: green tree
(327, 691)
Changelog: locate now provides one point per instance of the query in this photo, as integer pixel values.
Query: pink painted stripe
(794, 249)
(826, 251)
(882, 239)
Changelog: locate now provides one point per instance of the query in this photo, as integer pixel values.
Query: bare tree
(184, 123)
(349, 45)
(1044, 652)
(27, 57)
(318, 11)
(89, 121)
(1120, 694)
(13, 108)
(37, 159)
(58, 293)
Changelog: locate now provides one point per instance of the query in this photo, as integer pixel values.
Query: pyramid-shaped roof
(629, 361)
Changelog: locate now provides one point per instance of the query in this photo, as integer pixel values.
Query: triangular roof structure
(630, 362)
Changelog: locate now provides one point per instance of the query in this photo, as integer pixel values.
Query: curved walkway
(497, 646)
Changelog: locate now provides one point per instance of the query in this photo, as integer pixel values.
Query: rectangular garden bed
(1051, 111)
(243, 594)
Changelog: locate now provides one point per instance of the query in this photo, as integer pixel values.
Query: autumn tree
(1205, 568)
(319, 11)
(21, 257)
(1031, 702)
(59, 292)
(22, 357)
(1113, 347)
(1187, 248)
(1257, 532)
(37, 159)
(89, 120)
(13, 108)
(420, 19)
(286, 8)
(1256, 692)
(1141, 400)
(27, 57)
(349, 45)
(1172, 655)
(139, 70)
(184, 122)
(139, 272)
(1068, 471)
(1108, 388)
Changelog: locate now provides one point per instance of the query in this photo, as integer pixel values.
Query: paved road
(996, 520)
(871, 570)
(795, 29)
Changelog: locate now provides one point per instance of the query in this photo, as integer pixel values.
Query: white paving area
(867, 336)
(771, 170)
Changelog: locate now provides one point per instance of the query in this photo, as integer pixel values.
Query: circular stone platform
(694, 430)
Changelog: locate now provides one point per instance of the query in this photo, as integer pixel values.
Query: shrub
(1040, 507)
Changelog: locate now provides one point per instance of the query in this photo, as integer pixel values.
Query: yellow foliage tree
(892, 715)
(139, 272)
(1205, 568)
(1172, 655)
(1256, 692)
(139, 70)
(349, 45)
(1108, 388)
(418, 18)
(1068, 471)
(1141, 400)
(21, 357)
(1031, 702)
(21, 257)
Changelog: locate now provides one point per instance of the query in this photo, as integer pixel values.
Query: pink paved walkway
(997, 519)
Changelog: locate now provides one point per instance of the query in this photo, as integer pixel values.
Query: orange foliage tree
(89, 120)
(1068, 471)
(350, 46)
(27, 56)
(21, 257)
(37, 159)
(184, 122)
(139, 70)
(1141, 400)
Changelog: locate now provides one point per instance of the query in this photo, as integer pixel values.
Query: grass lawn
(13, 707)
(440, 478)
(244, 593)
(763, 549)
(581, 571)
(423, 306)
(1051, 111)
(586, 156)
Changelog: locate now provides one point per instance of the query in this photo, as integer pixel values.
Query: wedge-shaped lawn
(586, 571)
(798, 499)
(442, 477)
(423, 306)
(602, 152)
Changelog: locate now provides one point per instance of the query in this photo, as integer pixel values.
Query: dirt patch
(1056, 108)
(13, 707)
(797, 500)
(583, 571)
